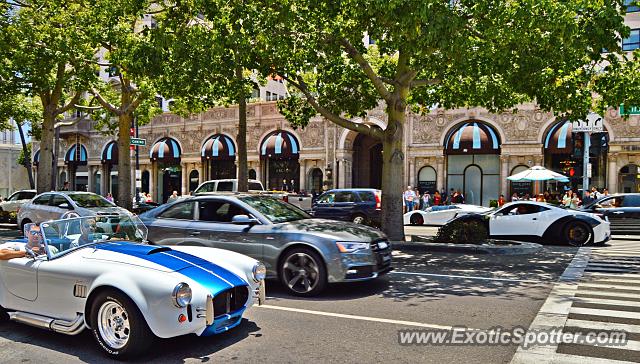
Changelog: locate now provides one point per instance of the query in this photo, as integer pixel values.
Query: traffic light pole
(585, 163)
(135, 120)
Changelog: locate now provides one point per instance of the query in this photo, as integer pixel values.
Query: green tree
(463, 53)
(209, 50)
(120, 36)
(42, 57)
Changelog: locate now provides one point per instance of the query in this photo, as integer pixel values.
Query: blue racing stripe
(211, 276)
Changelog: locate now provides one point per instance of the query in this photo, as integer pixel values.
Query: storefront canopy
(76, 155)
(110, 153)
(280, 144)
(165, 150)
(559, 139)
(218, 147)
(472, 138)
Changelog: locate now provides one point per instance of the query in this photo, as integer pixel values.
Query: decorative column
(411, 181)
(440, 177)
(104, 179)
(90, 179)
(302, 185)
(153, 182)
(504, 173)
(185, 179)
(612, 180)
(201, 177)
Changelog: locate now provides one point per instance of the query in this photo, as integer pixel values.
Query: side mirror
(243, 220)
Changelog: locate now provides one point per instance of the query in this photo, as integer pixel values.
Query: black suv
(359, 205)
(622, 210)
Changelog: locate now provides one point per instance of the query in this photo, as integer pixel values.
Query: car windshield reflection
(68, 234)
(274, 210)
(87, 200)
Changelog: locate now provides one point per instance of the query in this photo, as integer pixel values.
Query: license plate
(383, 245)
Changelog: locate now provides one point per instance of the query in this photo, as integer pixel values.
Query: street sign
(138, 184)
(589, 170)
(629, 110)
(138, 142)
(138, 174)
(593, 124)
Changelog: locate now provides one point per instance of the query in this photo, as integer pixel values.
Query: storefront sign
(427, 186)
(629, 110)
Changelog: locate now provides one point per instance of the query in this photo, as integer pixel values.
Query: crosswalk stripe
(608, 294)
(612, 270)
(603, 301)
(629, 345)
(604, 326)
(617, 275)
(609, 286)
(606, 313)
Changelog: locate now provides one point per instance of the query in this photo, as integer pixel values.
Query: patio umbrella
(538, 173)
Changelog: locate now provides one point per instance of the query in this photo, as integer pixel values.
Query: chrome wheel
(113, 324)
(70, 215)
(358, 219)
(301, 272)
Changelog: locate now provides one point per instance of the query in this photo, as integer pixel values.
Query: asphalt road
(351, 322)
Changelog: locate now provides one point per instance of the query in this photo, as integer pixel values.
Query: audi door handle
(618, 212)
(535, 218)
(194, 233)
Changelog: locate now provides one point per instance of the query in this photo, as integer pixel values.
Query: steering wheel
(30, 252)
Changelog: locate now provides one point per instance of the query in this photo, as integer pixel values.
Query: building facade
(470, 150)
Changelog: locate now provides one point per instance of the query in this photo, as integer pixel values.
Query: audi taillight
(378, 200)
(285, 198)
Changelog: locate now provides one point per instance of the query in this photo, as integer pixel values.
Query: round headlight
(181, 295)
(259, 272)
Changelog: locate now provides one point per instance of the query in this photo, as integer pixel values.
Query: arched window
(473, 185)
(193, 180)
(628, 181)
(519, 187)
(427, 180)
(253, 174)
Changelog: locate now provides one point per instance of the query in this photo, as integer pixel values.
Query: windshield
(275, 210)
(90, 200)
(61, 236)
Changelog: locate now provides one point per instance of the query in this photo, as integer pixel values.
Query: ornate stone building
(467, 149)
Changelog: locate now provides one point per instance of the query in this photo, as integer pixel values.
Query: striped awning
(559, 139)
(110, 153)
(218, 147)
(165, 150)
(472, 138)
(280, 144)
(76, 155)
(36, 158)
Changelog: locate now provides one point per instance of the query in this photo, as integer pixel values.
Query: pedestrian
(173, 197)
(449, 200)
(408, 198)
(437, 199)
(147, 197)
(109, 197)
(514, 197)
(460, 196)
(595, 194)
(443, 196)
(547, 195)
(588, 198)
(501, 201)
(540, 198)
(285, 186)
(605, 192)
(566, 199)
(65, 186)
(418, 202)
(426, 201)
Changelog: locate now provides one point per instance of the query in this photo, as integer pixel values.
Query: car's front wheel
(416, 219)
(118, 326)
(577, 233)
(302, 272)
(70, 215)
(359, 219)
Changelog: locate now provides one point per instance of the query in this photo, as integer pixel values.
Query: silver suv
(62, 204)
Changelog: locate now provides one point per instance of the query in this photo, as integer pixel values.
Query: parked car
(97, 273)
(143, 206)
(62, 204)
(227, 185)
(358, 205)
(302, 252)
(439, 215)
(541, 222)
(302, 200)
(622, 211)
(13, 203)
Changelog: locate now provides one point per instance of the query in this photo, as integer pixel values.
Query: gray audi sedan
(302, 252)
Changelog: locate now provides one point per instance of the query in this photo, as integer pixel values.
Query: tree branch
(70, 104)
(389, 81)
(105, 104)
(134, 105)
(418, 83)
(336, 119)
(366, 67)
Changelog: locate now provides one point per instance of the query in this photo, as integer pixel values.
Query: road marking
(360, 318)
(602, 326)
(605, 313)
(607, 294)
(609, 286)
(465, 277)
(603, 301)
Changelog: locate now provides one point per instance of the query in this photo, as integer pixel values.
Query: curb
(520, 248)
(554, 312)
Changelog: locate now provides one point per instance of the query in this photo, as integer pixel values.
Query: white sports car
(541, 222)
(97, 273)
(439, 215)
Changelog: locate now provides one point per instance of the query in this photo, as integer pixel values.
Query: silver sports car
(303, 252)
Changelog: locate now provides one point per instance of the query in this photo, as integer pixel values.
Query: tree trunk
(46, 179)
(242, 138)
(393, 172)
(27, 162)
(124, 162)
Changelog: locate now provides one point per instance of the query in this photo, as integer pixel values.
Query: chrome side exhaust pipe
(73, 327)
